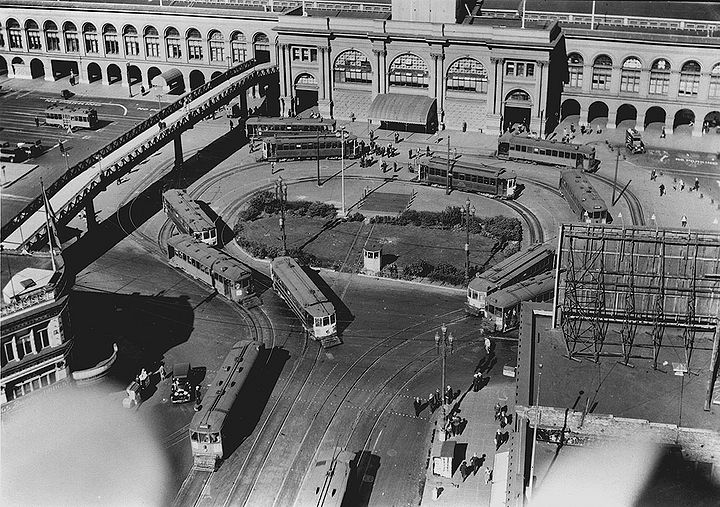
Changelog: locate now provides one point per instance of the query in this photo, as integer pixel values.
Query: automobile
(181, 390)
(66, 94)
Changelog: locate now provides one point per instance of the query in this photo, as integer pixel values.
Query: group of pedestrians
(472, 467)
(502, 416)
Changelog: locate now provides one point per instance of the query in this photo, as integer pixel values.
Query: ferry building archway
(518, 109)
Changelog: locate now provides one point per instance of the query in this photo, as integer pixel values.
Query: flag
(50, 223)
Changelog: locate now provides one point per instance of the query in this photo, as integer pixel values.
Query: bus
(187, 216)
(73, 117)
(257, 127)
(583, 199)
(326, 481)
(634, 142)
(307, 302)
(471, 174)
(529, 149)
(308, 146)
(211, 425)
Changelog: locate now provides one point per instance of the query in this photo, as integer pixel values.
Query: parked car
(181, 390)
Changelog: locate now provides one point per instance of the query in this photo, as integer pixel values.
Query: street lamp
(468, 212)
(443, 341)
(127, 70)
(281, 195)
(342, 169)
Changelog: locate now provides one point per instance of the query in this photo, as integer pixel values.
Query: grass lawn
(403, 245)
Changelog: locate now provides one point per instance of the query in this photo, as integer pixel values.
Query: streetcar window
(318, 322)
(554, 153)
(332, 319)
(460, 176)
(215, 438)
(326, 321)
(492, 181)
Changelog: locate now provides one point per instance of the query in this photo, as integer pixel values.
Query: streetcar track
(634, 205)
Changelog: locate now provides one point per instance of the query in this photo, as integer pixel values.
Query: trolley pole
(443, 342)
(318, 158)
(468, 212)
(281, 195)
(447, 176)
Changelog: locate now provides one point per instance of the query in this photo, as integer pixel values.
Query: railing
(122, 166)
(106, 150)
(271, 5)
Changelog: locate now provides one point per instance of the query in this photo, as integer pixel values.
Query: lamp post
(468, 212)
(317, 132)
(342, 168)
(127, 70)
(443, 340)
(535, 430)
(447, 175)
(281, 195)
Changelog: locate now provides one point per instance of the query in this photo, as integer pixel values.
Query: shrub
(356, 217)
(450, 217)
(503, 228)
(417, 269)
(447, 273)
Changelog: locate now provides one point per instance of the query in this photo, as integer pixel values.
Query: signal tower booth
(372, 259)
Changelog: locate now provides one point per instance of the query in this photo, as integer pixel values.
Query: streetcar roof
(304, 137)
(579, 186)
(326, 480)
(227, 383)
(188, 209)
(289, 122)
(471, 163)
(303, 289)
(69, 109)
(543, 143)
(199, 251)
(525, 290)
(507, 268)
(230, 268)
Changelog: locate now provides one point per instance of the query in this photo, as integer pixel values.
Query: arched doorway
(627, 116)
(711, 123)
(306, 92)
(598, 114)
(37, 68)
(3, 66)
(684, 121)
(518, 107)
(113, 74)
(215, 74)
(134, 74)
(94, 72)
(152, 73)
(18, 67)
(197, 79)
(655, 118)
(570, 107)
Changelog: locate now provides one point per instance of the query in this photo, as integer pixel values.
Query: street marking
(86, 137)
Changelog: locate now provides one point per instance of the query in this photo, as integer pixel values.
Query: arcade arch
(569, 107)
(306, 92)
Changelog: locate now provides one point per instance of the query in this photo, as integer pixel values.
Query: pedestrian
(682, 185)
(463, 470)
(438, 398)
(397, 138)
(488, 345)
(431, 403)
(474, 463)
(161, 371)
(662, 189)
(143, 377)
(272, 167)
(488, 475)
(197, 394)
(37, 121)
(683, 221)
(696, 187)
(662, 133)
(498, 439)
(427, 150)
(395, 166)
(449, 394)
(653, 175)
(497, 410)
(231, 124)
(418, 406)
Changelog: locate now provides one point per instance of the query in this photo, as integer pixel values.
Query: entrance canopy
(409, 110)
(167, 79)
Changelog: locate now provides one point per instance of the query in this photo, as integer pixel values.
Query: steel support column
(177, 141)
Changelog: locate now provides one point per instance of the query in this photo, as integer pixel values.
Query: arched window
(72, 43)
(630, 75)
(132, 42)
(110, 37)
(90, 37)
(352, 67)
(715, 81)
(659, 77)
(52, 36)
(409, 70)
(194, 45)
(518, 96)
(238, 45)
(575, 70)
(2, 37)
(467, 75)
(152, 42)
(689, 78)
(261, 46)
(216, 41)
(602, 70)
(33, 35)
(14, 34)
(173, 43)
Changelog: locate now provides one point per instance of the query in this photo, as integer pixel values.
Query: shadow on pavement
(363, 470)
(343, 314)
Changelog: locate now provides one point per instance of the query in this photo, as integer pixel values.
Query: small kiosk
(443, 464)
(372, 259)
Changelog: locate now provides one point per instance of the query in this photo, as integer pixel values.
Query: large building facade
(480, 66)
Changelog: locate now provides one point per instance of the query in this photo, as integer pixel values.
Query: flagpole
(47, 224)
(592, 17)
(523, 14)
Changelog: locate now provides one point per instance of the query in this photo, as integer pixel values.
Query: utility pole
(535, 430)
(468, 211)
(318, 157)
(617, 161)
(443, 342)
(447, 176)
(342, 167)
(281, 195)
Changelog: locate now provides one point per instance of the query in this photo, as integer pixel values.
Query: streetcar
(503, 306)
(309, 146)
(582, 198)
(73, 117)
(326, 481)
(534, 260)
(307, 302)
(471, 174)
(529, 149)
(187, 216)
(227, 276)
(261, 126)
(212, 425)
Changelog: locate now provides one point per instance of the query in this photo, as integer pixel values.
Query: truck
(633, 141)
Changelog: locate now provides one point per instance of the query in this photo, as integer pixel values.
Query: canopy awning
(167, 78)
(398, 108)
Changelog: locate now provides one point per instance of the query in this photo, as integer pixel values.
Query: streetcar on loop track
(257, 127)
(308, 146)
(534, 260)
(218, 270)
(583, 199)
(326, 481)
(309, 304)
(187, 216)
(529, 149)
(75, 117)
(213, 423)
(469, 173)
(503, 306)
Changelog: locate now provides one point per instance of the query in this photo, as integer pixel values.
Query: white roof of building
(26, 280)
